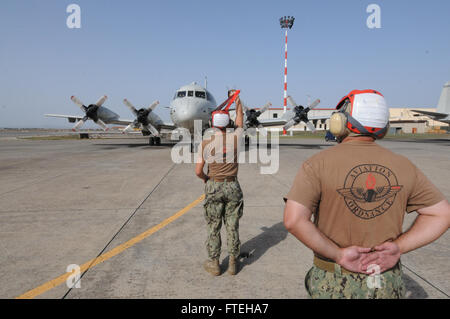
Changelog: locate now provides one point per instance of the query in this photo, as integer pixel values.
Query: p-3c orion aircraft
(190, 102)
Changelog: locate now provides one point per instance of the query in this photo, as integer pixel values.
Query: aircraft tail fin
(444, 100)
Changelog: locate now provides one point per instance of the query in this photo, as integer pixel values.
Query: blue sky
(145, 50)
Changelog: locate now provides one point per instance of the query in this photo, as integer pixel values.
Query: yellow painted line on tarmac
(113, 252)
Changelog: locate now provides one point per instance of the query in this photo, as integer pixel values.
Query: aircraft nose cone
(186, 113)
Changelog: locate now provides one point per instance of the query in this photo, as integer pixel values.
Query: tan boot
(232, 265)
(212, 266)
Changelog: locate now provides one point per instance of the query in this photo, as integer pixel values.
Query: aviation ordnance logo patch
(369, 190)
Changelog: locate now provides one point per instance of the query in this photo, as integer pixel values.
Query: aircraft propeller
(141, 118)
(91, 112)
(251, 116)
(301, 114)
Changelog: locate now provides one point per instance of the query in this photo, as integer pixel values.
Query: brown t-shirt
(359, 192)
(220, 152)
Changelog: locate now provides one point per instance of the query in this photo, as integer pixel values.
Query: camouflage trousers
(223, 202)
(322, 284)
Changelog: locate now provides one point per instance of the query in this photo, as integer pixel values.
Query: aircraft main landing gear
(154, 140)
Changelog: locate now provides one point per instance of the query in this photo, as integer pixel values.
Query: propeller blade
(130, 106)
(291, 101)
(314, 104)
(78, 102)
(101, 100)
(153, 105)
(129, 128)
(78, 125)
(311, 126)
(289, 124)
(102, 124)
(244, 107)
(153, 130)
(265, 107)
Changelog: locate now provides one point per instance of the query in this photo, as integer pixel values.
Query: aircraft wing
(167, 126)
(435, 115)
(75, 118)
(283, 120)
(159, 126)
(119, 122)
(273, 122)
(71, 118)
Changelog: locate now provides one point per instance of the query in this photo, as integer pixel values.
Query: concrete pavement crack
(428, 282)
(124, 224)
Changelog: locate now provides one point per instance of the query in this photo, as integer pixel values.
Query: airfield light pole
(286, 23)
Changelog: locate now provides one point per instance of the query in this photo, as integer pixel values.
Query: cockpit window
(190, 93)
(200, 94)
(181, 94)
(208, 96)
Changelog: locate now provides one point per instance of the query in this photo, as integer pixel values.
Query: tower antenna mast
(286, 23)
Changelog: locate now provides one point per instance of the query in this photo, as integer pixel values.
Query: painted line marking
(113, 252)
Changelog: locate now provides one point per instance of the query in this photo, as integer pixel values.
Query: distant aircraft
(442, 113)
(100, 115)
(190, 102)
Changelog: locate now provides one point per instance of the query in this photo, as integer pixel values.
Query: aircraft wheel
(247, 140)
(158, 140)
(193, 147)
(151, 141)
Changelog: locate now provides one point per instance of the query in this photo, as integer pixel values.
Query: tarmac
(65, 202)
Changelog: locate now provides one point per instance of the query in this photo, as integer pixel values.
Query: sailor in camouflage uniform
(224, 201)
(358, 193)
(340, 283)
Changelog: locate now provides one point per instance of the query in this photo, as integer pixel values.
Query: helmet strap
(354, 123)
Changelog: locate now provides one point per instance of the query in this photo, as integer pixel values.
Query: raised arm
(239, 113)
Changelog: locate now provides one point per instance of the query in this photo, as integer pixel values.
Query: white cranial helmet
(361, 112)
(220, 119)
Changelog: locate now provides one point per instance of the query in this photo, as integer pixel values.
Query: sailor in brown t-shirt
(358, 193)
(223, 195)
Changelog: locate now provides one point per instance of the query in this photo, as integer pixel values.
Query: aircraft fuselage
(191, 102)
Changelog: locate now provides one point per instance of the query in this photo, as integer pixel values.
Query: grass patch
(317, 134)
(52, 138)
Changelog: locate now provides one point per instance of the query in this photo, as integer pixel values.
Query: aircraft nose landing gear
(154, 140)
